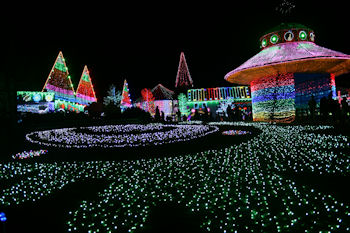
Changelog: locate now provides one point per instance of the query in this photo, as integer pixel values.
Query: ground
(277, 178)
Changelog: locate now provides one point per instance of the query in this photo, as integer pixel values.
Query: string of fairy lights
(29, 154)
(234, 132)
(241, 188)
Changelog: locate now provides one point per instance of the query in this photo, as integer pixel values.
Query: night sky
(142, 42)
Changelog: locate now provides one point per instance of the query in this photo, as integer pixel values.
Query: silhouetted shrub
(137, 114)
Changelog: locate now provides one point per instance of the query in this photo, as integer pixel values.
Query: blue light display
(307, 85)
(2, 217)
(36, 97)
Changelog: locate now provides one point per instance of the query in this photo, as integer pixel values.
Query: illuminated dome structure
(289, 69)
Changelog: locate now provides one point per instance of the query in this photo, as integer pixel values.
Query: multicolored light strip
(218, 93)
(35, 96)
(29, 154)
(234, 132)
(69, 106)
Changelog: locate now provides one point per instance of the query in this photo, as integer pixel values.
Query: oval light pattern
(36, 97)
(302, 35)
(274, 39)
(264, 43)
(49, 98)
(119, 135)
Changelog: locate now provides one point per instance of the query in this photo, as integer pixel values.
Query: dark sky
(142, 41)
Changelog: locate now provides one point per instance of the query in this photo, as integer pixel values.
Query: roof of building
(162, 93)
(283, 26)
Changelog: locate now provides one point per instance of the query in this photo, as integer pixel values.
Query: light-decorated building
(219, 98)
(215, 99)
(58, 92)
(188, 100)
(161, 97)
(288, 71)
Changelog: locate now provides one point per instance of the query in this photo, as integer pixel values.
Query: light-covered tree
(183, 104)
(113, 97)
(148, 101)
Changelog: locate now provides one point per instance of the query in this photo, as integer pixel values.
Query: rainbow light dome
(289, 48)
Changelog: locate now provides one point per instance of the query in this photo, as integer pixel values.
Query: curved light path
(110, 136)
(236, 189)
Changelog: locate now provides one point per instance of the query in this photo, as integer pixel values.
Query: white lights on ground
(242, 188)
(119, 135)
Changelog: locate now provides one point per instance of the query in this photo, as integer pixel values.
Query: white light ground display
(119, 135)
(242, 188)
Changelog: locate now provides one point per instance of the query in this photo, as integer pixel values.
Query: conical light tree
(183, 77)
(59, 80)
(126, 100)
(85, 93)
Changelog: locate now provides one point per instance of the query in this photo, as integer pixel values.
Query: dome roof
(295, 57)
(289, 48)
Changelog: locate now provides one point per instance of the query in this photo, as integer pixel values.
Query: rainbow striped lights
(59, 80)
(278, 98)
(85, 91)
(273, 98)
